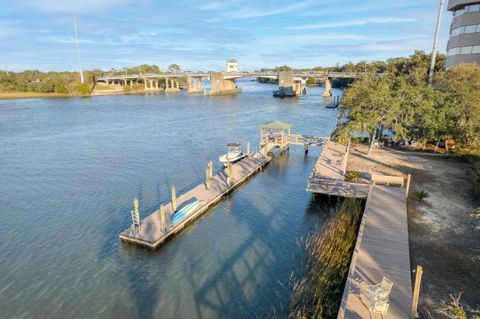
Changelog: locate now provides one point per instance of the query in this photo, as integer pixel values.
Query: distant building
(464, 43)
(232, 65)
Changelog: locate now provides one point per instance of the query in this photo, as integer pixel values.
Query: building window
(467, 9)
(464, 50)
(470, 28)
(465, 29)
(474, 8)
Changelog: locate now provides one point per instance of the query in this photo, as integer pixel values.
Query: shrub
(83, 89)
(421, 194)
(352, 176)
(454, 309)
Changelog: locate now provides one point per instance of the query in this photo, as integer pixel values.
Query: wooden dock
(328, 175)
(382, 243)
(381, 250)
(150, 234)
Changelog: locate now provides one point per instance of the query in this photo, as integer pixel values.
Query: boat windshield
(233, 147)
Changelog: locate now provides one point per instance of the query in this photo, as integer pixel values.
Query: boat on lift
(234, 154)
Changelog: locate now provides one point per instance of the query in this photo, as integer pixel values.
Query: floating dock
(151, 233)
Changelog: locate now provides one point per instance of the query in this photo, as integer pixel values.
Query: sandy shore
(443, 237)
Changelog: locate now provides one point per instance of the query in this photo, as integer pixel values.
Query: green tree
(174, 68)
(460, 87)
(311, 81)
(367, 105)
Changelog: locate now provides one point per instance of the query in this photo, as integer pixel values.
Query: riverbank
(30, 95)
(439, 225)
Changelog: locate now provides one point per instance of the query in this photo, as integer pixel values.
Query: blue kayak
(184, 212)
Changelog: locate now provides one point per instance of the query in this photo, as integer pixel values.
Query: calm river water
(71, 167)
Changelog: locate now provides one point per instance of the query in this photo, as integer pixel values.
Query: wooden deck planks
(328, 174)
(331, 162)
(150, 234)
(381, 250)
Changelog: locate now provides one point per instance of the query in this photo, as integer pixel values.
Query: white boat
(233, 155)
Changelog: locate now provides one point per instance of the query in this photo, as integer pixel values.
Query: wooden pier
(381, 250)
(382, 243)
(151, 233)
(328, 175)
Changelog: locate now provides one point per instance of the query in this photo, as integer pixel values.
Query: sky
(202, 35)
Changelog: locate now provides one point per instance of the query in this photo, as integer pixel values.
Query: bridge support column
(194, 86)
(285, 85)
(297, 87)
(172, 85)
(328, 88)
(221, 85)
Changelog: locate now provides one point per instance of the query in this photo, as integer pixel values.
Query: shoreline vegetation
(318, 287)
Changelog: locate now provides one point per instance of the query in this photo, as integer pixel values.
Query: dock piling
(163, 223)
(174, 199)
(248, 150)
(229, 173)
(416, 291)
(407, 187)
(210, 169)
(207, 178)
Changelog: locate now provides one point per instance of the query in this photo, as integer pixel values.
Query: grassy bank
(319, 287)
(27, 95)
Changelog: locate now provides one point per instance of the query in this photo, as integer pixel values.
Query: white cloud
(360, 22)
(248, 13)
(213, 5)
(315, 37)
(73, 6)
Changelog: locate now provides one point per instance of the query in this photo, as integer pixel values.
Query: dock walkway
(382, 246)
(150, 234)
(381, 250)
(328, 175)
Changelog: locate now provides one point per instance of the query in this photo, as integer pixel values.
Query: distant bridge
(223, 82)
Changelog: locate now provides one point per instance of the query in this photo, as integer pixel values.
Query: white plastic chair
(378, 295)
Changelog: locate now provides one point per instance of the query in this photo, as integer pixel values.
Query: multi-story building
(464, 43)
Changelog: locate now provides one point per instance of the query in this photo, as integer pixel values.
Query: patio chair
(380, 307)
(378, 295)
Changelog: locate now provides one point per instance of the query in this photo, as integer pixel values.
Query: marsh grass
(318, 289)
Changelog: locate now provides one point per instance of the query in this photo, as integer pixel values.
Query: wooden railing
(388, 180)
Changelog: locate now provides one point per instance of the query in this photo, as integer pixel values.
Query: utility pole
(78, 48)
(435, 40)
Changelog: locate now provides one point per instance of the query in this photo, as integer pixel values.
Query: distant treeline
(66, 82)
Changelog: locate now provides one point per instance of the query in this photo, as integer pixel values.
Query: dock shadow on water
(318, 286)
